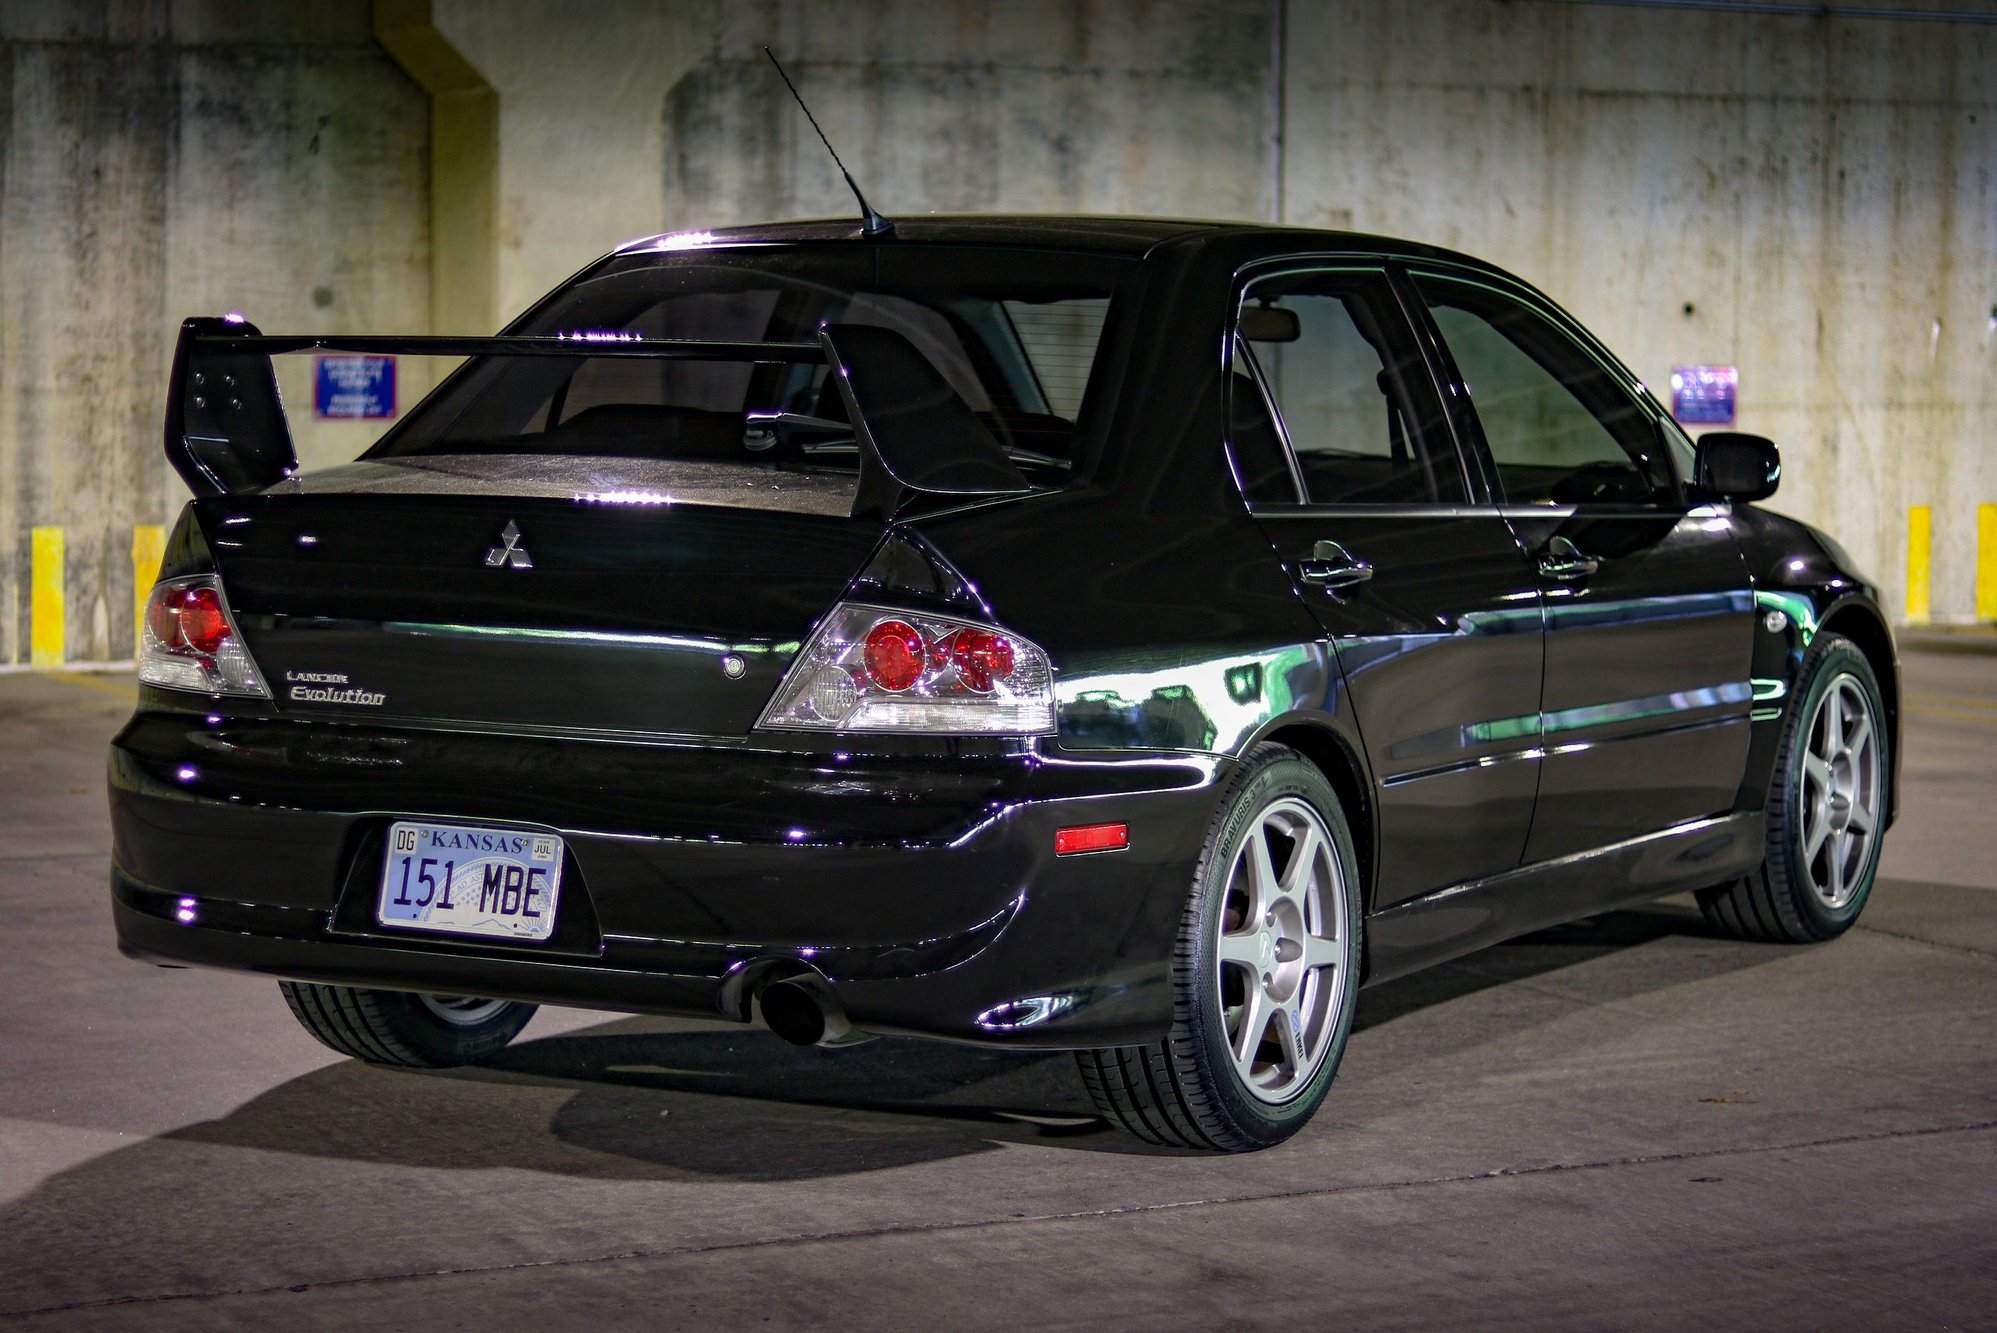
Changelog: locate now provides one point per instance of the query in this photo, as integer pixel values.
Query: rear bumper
(923, 886)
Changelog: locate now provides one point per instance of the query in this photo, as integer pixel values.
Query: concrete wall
(1159, 106)
(165, 159)
(1811, 199)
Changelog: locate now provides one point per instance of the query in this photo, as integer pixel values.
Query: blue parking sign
(1704, 395)
(353, 386)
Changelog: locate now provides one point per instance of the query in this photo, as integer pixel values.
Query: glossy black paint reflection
(1645, 706)
(1440, 650)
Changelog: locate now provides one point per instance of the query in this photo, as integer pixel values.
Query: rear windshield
(1020, 335)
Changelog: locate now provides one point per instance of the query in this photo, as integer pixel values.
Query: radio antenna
(872, 223)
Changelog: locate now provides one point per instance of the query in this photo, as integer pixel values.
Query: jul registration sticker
(458, 879)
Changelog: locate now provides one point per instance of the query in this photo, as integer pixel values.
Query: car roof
(1077, 231)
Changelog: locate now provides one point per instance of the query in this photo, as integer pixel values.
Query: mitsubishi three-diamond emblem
(511, 553)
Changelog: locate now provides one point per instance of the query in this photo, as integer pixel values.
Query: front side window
(1559, 428)
(1331, 355)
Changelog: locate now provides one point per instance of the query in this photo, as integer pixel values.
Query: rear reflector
(1091, 838)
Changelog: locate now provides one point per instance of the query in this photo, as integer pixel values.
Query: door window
(1558, 426)
(1330, 355)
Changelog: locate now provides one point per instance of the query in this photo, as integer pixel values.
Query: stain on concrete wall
(161, 160)
(1161, 107)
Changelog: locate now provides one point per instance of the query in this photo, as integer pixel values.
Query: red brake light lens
(189, 619)
(894, 655)
(203, 624)
(979, 655)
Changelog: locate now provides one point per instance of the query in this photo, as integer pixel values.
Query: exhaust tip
(803, 1011)
(791, 1011)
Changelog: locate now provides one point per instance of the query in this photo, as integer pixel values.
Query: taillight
(872, 668)
(189, 618)
(191, 643)
(982, 657)
(893, 655)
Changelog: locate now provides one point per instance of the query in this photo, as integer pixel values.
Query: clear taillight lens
(190, 641)
(873, 668)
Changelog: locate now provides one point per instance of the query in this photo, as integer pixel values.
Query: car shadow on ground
(651, 1100)
(652, 1097)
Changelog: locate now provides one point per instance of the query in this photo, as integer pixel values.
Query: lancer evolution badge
(512, 553)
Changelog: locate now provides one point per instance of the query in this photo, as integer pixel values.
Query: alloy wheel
(1840, 792)
(461, 1010)
(1282, 939)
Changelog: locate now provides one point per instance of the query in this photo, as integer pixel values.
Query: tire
(1191, 1090)
(403, 1030)
(1827, 806)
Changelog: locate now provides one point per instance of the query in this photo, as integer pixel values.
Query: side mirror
(1737, 466)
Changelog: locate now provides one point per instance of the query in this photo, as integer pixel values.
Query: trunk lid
(534, 592)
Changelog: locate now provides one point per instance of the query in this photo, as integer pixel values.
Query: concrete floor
(1625, 1122)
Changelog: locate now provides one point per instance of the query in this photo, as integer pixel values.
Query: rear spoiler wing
(226, 430)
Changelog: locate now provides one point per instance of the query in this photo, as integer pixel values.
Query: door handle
(1562, 559)
(1332, 566)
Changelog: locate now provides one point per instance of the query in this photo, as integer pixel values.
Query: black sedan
(1120, 636)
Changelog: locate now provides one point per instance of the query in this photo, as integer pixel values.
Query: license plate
(458, 879)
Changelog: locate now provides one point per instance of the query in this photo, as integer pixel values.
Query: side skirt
(1460, 920)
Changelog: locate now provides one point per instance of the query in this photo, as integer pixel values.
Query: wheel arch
(1862, 624)
(1333, 756)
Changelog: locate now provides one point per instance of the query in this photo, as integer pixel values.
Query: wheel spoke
(1298, 873)
(1861, 732)
(1254, 1022)
(1815, 770)
(1836, 859)
(1243, 950)
(1813, 838)
(1290, 1036)
(1861, 818)
(1833, 722)
(1261, 873)
(1320, 951)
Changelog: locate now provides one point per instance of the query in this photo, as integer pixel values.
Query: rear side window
(1059, 339)
(1018, 334)
(1348, 391)
(1559, 428)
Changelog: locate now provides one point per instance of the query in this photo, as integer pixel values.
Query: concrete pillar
(158, 161)
(545, 133)
(464, 167)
